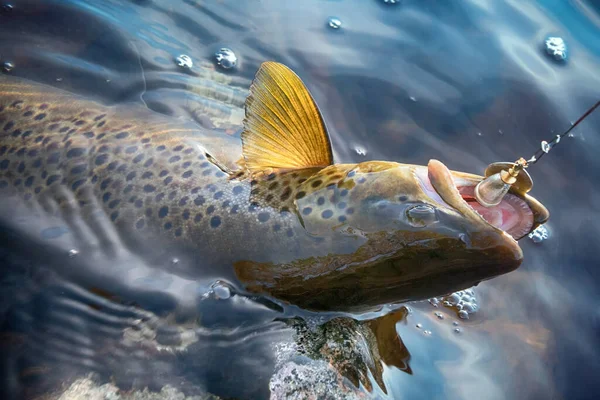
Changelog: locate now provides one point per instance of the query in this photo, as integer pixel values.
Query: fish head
(396, 232)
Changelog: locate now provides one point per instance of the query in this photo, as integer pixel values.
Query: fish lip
(443, 183)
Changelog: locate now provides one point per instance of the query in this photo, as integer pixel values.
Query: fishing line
(501, 176)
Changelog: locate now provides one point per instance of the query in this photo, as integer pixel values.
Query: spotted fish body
(273, 208)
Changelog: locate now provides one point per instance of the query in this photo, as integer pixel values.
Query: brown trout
(270, 206)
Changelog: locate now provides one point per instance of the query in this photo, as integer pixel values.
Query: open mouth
(513, 215)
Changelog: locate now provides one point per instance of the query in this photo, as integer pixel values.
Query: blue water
(465, 82)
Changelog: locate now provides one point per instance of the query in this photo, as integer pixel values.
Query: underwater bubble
(73, 252)
(221, 291)
(479, 134)
(175, 260)
(456, 330)
(361, 151)
(466, 298)
(413, 98)
(408, 309)
(556, 47)
(334, 23)
(434, 302)
(468, 307)
(454, 298)
(8, 66)
(455, 323)
(439, 315)
(462, 314)
(6, 8)
(392, 1)
(419, 325)
(426, 332)
(459, 306)
(184, 61)
(539, 234)
(446, 303)
(226, 58)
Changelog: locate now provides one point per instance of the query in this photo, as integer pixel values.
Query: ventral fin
(283, 128)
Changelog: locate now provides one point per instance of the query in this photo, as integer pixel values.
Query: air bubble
(434, 302)
(446, 303)
(456, 330)
(468, 307)
(221, 291)
(413, 98)
(426, 332)
(454, 298)
(184, 61)
(439, 315)
(73, 252)
(392, 1)
(557, 48)
(539, 234)
(226, 58)
(462, 314)
(8, 66)
(419, 325)
(175, 260)
(334, 23)
(455, 323)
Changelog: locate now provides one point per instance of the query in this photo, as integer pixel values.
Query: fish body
(270, 206)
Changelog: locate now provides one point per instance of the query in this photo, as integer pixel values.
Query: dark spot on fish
(112, 165)
(18, 181)
(38, 190)
(350, 211)
(168, 180)
(140, 223)
(206, 172)
(75, 152)
(104, 184)
(101, 136)
(220, 174)
(186, 174)
(327, 214)
(163, 173)
(253, 206)
(149, 188)
(26, 134)
(185, 214)
(16, 133)
(199, 200)
(40, 116)
(149, 162)
(351, 174)
(148, 212)
(37, 163)
(145, 140)
(21, 167)
(160, 148)
(331, 186)
(276, 227)
(235, 209)
(138, 158)
(286, 194)
(114, 203)
(163, 212)
(273, 185)
(178, 232)
(341, 218)
(78, 183)
(321, 200)
(210, 209)
(204, 164)
(131, 149)
(198, 217)
(101, 159)
(138, 203)
(343, 192)
(255, 191)
(28, 113)
(29, 181)
(79, 123)
(300, 195)
(215, 221)
(128, 189)
(8, 126)
(106, 197)
(174, 159)
(341, 205)
(263, 216)
(317, 183)
(114, 216)
(269, 198)
(362, 179)
(99, 117)
(306, 210)
(51, 179)
(289, 233)
(147, 175)
(178, 148)
(188, 151)
(218, 195)
(284, 209)
(183, 201)
(186, 164)
(159, 197)
(237, 189)
(122, 135)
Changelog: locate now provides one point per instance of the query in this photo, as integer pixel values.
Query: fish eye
(421, 215)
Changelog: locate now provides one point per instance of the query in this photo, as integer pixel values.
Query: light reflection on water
(477, 67)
